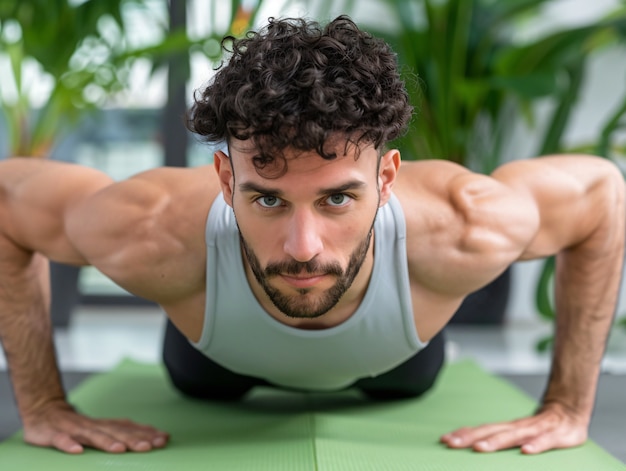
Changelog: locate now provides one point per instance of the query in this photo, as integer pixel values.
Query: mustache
(293, 267)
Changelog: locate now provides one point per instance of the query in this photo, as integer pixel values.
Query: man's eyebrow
(351, 185)
(251, 187)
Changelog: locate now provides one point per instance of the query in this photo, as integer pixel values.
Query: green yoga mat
(285, 431)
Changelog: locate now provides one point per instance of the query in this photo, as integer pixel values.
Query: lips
(302, 281)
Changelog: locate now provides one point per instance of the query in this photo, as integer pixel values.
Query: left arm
(580, 202)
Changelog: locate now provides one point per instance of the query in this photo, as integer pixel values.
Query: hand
(61, 427)
(552, 427)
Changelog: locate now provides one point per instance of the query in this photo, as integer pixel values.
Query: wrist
(33, 412)
(576, 413)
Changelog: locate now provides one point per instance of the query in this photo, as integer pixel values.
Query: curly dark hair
(295, 84)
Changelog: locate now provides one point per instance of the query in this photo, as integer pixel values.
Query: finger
(65, 443)
(129, 425)
(113, 436)
(46, 437)
(99, 440)
(467, 436)
(160, 442)
(139, 429)
(523, 432)
(505, 439)
(552, 441)
(135, 436)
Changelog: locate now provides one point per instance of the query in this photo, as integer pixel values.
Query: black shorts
(197, 376)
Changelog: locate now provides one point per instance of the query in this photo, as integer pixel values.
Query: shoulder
(463, 228)
(36, 195)
(147, 233)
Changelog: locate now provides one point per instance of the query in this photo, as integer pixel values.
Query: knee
(194, 389)
(408, 390)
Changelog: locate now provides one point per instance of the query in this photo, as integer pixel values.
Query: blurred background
(105, 83)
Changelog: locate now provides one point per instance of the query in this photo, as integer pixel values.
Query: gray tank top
(241, 336)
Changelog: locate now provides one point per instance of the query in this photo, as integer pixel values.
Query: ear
(387, 172)
(224, 169)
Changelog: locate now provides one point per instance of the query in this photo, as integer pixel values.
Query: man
(307, 257)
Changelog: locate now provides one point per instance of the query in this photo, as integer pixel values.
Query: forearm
(25, 330)
(587, 285)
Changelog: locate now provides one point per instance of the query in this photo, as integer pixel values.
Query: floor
(99, 338)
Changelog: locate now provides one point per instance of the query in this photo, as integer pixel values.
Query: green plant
(475, 78)
(82, 50)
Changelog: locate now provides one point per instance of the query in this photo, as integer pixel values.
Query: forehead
(349, 157)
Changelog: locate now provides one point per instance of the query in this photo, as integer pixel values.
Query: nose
(303, 241)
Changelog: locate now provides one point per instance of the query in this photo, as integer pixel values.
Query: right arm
(38, 199)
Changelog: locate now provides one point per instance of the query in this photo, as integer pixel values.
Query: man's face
(306, 234)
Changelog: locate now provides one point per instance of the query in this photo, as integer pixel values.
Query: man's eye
(338, 199)
(269, 201)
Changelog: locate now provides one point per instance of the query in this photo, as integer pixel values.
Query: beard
(303, 305)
